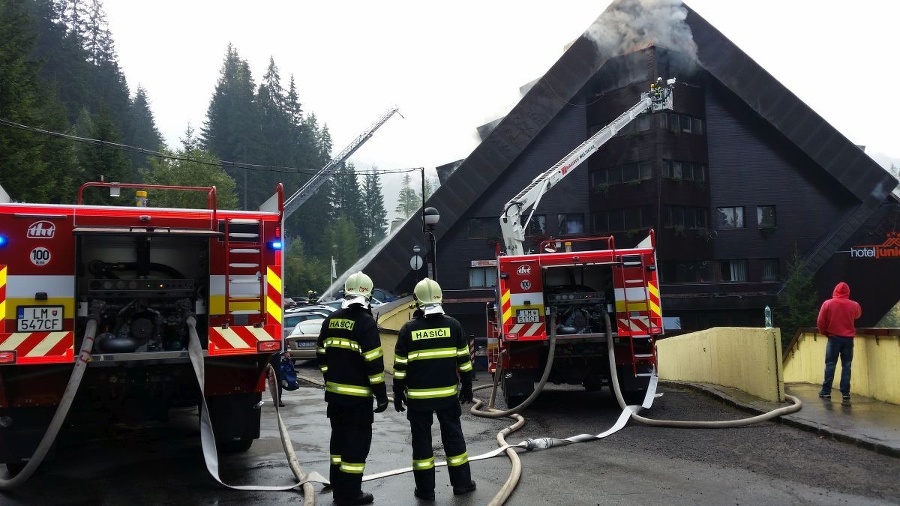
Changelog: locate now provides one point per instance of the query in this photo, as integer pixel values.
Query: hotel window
(484, 228)
(729, 217)
(482, 277)
(537, 225)
(570, 223)
(765, 216)
(769, 269)
(733, 270)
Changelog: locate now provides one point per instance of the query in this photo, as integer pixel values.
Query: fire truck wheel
(237, 445)
(632, 398)
(15, 468)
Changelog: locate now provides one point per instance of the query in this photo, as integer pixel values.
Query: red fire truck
(577, 293)
(123, 312)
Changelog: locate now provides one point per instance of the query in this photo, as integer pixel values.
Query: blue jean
(838, 347)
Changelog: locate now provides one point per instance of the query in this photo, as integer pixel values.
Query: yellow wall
(748, 359)
(392, 317)
(875, 367)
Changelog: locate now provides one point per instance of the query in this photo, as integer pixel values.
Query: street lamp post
(430, 217)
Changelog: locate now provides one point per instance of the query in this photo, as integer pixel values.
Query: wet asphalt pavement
(841, 455)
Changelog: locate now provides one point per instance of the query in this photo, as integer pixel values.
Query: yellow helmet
(428, 292)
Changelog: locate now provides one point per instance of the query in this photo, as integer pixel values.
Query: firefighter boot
(424, 484)
(360, 498)
(348, 491)
(461, 479)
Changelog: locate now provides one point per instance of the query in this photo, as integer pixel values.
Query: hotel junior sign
(890, 248)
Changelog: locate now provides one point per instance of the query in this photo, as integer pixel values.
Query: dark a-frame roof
(867, 181)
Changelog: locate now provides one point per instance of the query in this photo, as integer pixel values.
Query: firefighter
(431, 358)
(349, 354)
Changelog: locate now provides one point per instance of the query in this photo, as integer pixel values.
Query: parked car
(302, 339)
(383, 295)
(336, 303)
(293, 317)
(377, 293)
(322, 307)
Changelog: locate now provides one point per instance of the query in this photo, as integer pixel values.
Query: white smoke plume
(631, 24)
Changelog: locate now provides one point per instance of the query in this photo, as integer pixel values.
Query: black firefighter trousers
(351, 439)
(420, 421)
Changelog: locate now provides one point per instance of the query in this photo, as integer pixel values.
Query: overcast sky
(452, 66)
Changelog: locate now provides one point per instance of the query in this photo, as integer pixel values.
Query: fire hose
(59, 416)
(629, 412)
(208, 443)
(208, 440)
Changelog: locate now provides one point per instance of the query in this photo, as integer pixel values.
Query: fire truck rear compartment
(581, 296)
(146, 282)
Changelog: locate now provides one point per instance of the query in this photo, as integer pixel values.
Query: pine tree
(303, 271)
(141, 131)
(22, 172)
(431, 184)
(374, 222)
(231, 130)
(346, 196)
(192, 166)
(409, 201)
(103, 161)
(797, 301)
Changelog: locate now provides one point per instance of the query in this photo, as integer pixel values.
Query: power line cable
(171, 156)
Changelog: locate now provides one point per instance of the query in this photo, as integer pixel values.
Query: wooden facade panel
(750, 165)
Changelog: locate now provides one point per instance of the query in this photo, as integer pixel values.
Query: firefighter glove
(382, 405)
(399, 399)
(465, 394)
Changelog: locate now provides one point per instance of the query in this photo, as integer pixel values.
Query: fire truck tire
(633, 388)
(516, 386)
(15, 468)
(236, 446)
(235, 420)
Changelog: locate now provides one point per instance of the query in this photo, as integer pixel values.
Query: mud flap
(517, 386)
(235, 420)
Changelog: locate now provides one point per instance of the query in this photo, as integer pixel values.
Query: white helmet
(429, 296)
(358, 284)
(357, 289)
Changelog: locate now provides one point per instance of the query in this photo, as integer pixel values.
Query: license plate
(39, 318)
(528, 316)
(304, 344)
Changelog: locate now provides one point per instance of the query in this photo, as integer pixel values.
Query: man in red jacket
(836, 320)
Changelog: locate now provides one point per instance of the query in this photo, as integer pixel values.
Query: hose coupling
(538, 444)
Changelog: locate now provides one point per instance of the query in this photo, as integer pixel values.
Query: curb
(793, 421)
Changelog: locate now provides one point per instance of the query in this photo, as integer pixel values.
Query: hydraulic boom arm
(658, 98)
(312, 186)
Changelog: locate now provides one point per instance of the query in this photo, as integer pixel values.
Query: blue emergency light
(275, 245)
(3, 241)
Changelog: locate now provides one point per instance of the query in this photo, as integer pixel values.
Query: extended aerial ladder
(312, 186)
(658, 98)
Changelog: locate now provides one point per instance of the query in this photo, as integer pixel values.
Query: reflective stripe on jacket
(431, 354)
(349, 354)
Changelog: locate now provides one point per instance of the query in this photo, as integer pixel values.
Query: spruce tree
(23, 173)
(374, 224)
(409, 200)
(231, 130)
(141, 131)
(798, 301)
